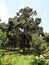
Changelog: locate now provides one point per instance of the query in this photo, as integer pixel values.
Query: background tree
(46, 38)
(10, 33)
(39, 44)
(27, 25)
(2, 35)
(21, 29)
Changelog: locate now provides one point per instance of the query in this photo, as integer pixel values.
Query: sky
(8, 8)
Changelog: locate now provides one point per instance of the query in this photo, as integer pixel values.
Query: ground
(18, 59)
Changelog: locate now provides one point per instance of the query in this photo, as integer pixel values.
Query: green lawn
(17, 59)
(13, 58)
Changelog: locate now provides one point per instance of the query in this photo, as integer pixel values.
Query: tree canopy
(23, 31)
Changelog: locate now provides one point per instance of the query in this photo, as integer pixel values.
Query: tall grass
(20, 59)
(17, 59)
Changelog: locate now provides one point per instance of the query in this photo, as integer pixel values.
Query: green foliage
(47, 61)
(6, 60)
(17, 59)
(0, 62)
(47, 37)
(23, 31)
(1, 53)
(39, 45)
(39, 61)
(3, 38)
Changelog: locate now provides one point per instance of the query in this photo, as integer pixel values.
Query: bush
(47, 61)
(39, 61)
(6, 60)
(1, 52)
(0, 62)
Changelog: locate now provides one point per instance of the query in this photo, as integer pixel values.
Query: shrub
(39, 61)
(6, 60)
(1, 52)
(47, 61)
(0, 61)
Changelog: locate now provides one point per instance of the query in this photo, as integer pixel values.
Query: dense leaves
(23, 31)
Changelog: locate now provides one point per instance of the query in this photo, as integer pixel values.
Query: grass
(13, 58)
(18, 59)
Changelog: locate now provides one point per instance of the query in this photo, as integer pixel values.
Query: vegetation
(19, 59)
(22, 34)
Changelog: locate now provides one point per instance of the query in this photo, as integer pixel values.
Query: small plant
(47, 61)
(1, 52)
(0, 62)
(39, 61)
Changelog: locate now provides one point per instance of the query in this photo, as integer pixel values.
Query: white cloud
(4, 13)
